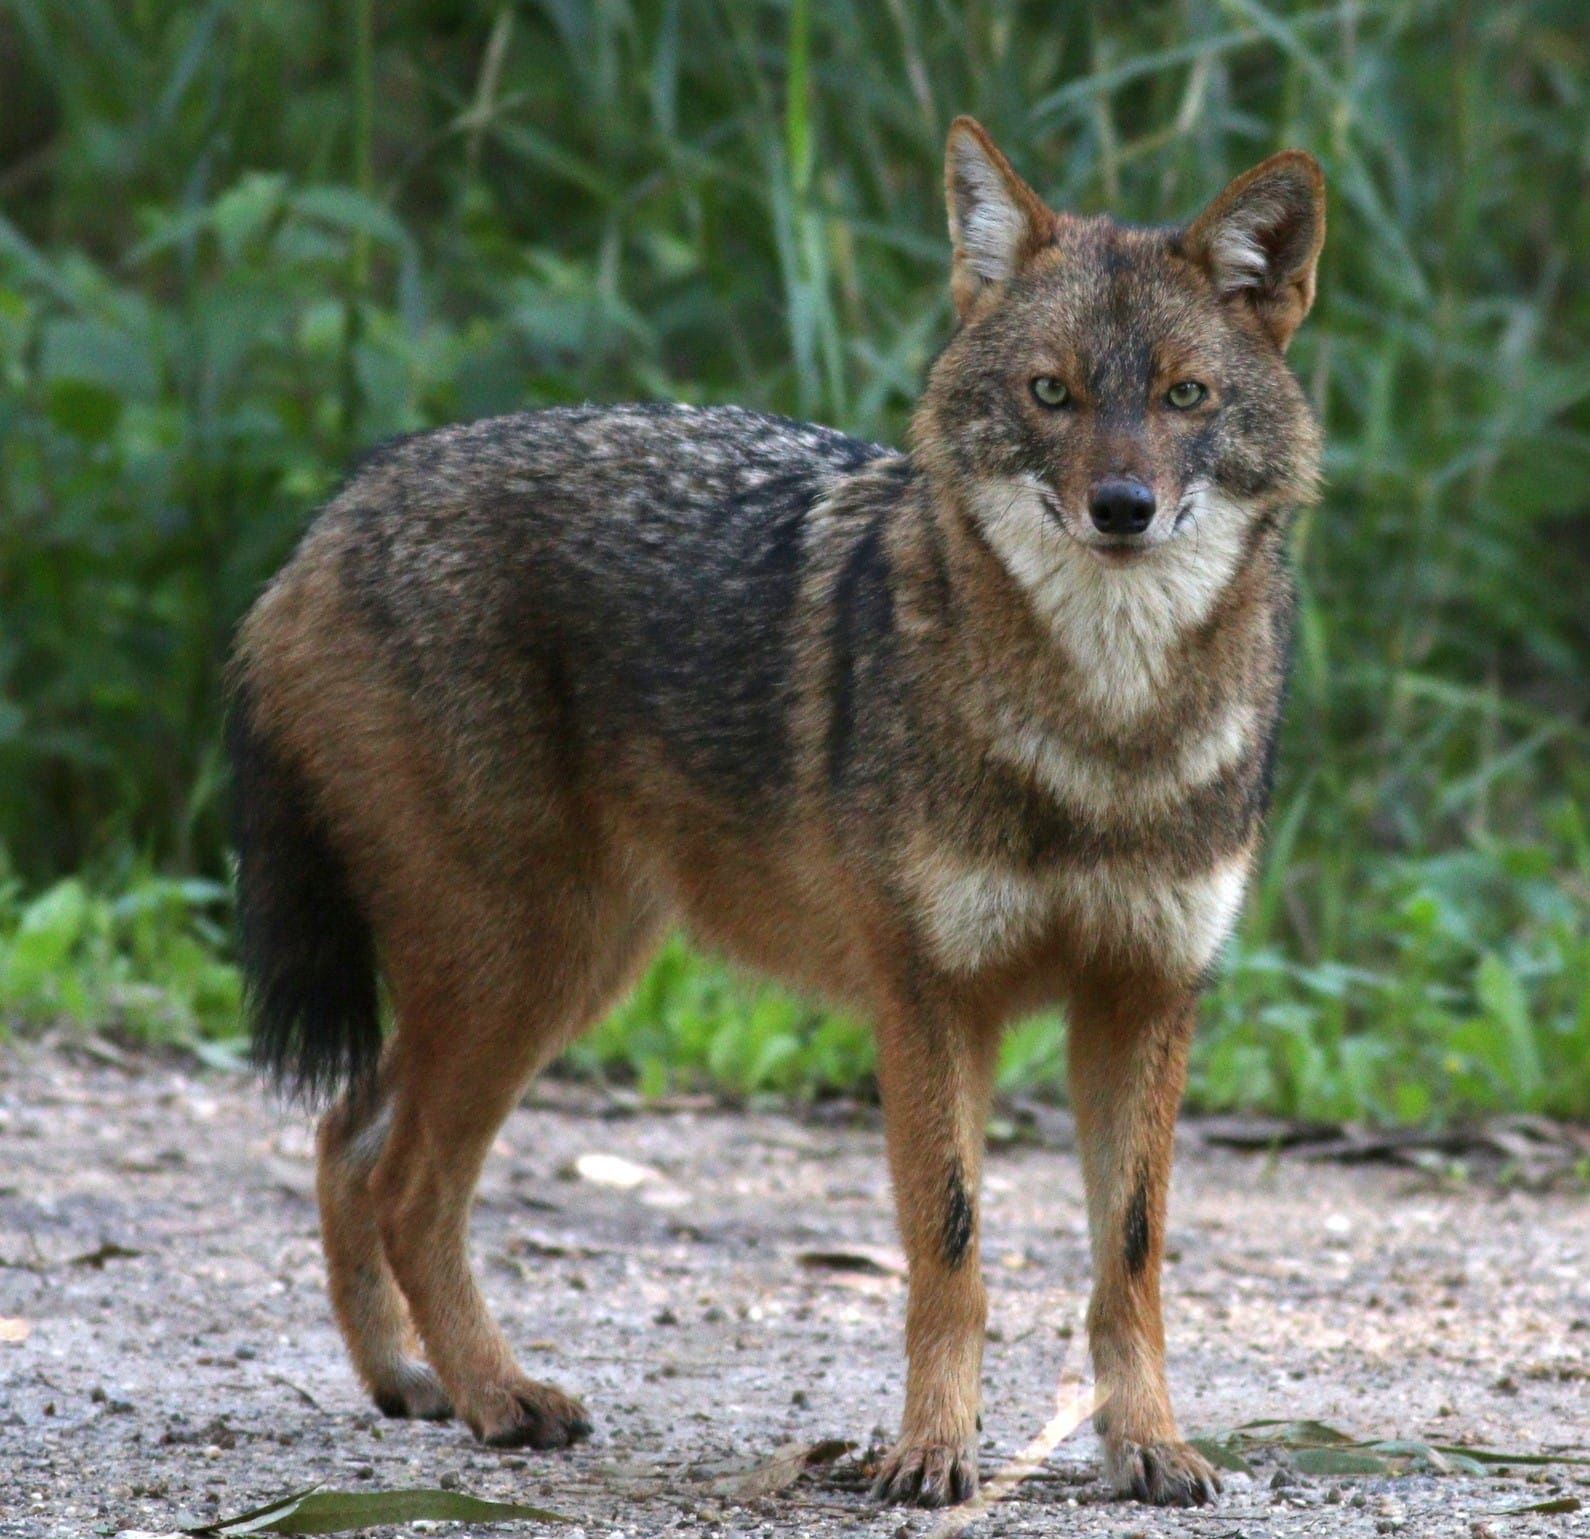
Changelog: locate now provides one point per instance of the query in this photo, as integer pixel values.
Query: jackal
(948, 735)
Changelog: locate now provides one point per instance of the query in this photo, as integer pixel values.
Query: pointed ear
(1260, 240)
(997, 222)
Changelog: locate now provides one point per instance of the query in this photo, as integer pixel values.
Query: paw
(1163, 1474)
(927, 1474)
(412, 1389)
(525, 1414)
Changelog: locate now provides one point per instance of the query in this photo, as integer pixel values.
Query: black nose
(1120, 506)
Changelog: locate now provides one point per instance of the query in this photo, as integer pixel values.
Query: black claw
(396, 1405)
(540, 1429)
(535, 1432)
(520, 1435)
(934, 1477)
(1170, 1477)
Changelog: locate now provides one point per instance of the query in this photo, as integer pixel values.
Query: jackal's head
(1117, 399)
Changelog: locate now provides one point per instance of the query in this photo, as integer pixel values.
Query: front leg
(1128, 1057)
(935, 1077)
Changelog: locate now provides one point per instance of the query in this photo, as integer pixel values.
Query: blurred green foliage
(148, 960)
(240, 241)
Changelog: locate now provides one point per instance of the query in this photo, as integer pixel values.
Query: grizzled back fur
(555, 596)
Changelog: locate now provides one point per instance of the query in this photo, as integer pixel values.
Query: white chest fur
(979, 915)
(1119, 627)
(1117, 624)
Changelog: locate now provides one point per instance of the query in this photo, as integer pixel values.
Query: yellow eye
(1050, 391)
(1185, 394)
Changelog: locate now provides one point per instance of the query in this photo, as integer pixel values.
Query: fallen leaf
(612, 1170)
(1221, 1455)
(1536, 1149)
(314, 1511)
(14, 1328)
(875, 1261)
(107, 1250)
(1425, 1456)
(1556, 1504)
(782, 1469)
(1319, 1449)
(1340, 1461)
(1502, 1456)
(1295, 1434)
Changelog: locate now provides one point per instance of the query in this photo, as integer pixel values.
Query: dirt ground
(178, 1359)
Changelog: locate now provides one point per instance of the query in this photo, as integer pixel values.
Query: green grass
(240, 243)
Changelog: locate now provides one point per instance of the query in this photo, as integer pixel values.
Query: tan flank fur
(947, 735)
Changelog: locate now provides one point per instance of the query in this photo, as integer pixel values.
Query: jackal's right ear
(997, 222)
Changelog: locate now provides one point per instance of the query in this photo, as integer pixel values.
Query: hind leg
(369, 1306)
(473, 1026)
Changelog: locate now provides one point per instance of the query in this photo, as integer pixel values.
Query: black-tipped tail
(306, 951)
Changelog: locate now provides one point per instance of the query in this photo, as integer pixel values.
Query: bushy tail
(307, 954)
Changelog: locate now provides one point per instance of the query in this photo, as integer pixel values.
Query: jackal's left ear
(997, 222)
(1260, 240)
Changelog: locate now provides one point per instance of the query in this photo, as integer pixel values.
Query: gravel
(729, 1285)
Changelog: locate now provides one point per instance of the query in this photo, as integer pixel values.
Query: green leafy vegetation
(241, 243)
(149, 961)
